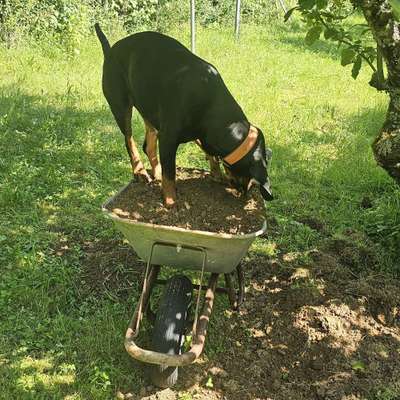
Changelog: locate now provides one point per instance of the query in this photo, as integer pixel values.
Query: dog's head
(252, 169)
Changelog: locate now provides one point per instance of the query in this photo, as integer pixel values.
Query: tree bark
(2, 10)
(386, 32)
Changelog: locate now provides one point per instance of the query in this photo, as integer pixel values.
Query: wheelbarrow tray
(224, 251)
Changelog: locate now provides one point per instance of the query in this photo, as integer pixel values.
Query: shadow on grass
(53, 136)
(318, 48)
(24, 376)
(58, 165)
(59, 160)
(295, 35)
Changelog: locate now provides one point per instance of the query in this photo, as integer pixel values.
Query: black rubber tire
(169, 327)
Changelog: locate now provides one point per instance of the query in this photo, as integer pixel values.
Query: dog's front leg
(215, 168)
(168, 148)
(150, 148)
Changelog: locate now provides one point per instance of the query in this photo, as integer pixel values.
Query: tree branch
(344, 41)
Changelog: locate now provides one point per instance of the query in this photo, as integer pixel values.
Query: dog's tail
(103, 40)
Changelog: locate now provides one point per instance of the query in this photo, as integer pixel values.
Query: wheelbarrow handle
(178, 360)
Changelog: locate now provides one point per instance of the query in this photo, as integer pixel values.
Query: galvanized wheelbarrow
(207, 252)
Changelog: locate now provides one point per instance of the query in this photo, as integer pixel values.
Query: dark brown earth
(202, 205)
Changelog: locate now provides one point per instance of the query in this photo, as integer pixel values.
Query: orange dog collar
(243, 148)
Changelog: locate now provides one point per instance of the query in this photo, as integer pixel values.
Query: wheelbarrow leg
(235, 297)
(199, 336)
(240, 275)
(149, 280)
(150, 314)
(231, 291)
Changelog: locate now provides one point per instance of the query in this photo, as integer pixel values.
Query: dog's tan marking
(136, 162)
(151, 150)
(169, 192)
(134, 155)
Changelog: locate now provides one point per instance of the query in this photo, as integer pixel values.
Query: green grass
(62, 156)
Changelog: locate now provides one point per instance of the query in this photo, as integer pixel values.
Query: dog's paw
(144, 176)
(157, 173)
(169, 202)
(220, 177)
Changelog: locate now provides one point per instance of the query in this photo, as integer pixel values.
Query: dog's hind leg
(114, 89)
(123, 117)
(150, 148)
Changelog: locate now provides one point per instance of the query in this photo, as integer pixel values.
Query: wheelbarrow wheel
(169, 327)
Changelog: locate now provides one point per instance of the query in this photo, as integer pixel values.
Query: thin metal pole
(237, 19)
(193, 26)
(283, 5)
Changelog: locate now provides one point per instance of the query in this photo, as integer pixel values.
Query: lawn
(323, 281)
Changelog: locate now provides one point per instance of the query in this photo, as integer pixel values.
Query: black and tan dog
(181, 98)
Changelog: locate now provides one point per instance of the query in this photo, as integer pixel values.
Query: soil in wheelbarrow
(202, 204)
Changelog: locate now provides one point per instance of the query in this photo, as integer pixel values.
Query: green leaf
(348, 55)
(356, 67)
(209, 382)
(358, 366)
(289, 13)
(306, 4)
(396, 8)
(330, 33)
(313, 34)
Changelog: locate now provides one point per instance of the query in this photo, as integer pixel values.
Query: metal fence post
(283, 5)
(237, 19)
(193, 26)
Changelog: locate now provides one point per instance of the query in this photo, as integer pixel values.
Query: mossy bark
(386, 31)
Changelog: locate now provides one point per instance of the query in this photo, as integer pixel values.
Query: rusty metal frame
(241, 290)
(198, 340)
(218, 289)
(235, 297)
(199, 326)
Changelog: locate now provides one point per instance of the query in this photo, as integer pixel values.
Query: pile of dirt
(202, 204)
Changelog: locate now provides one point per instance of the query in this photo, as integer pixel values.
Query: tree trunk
(2, 10)
(386, 31)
